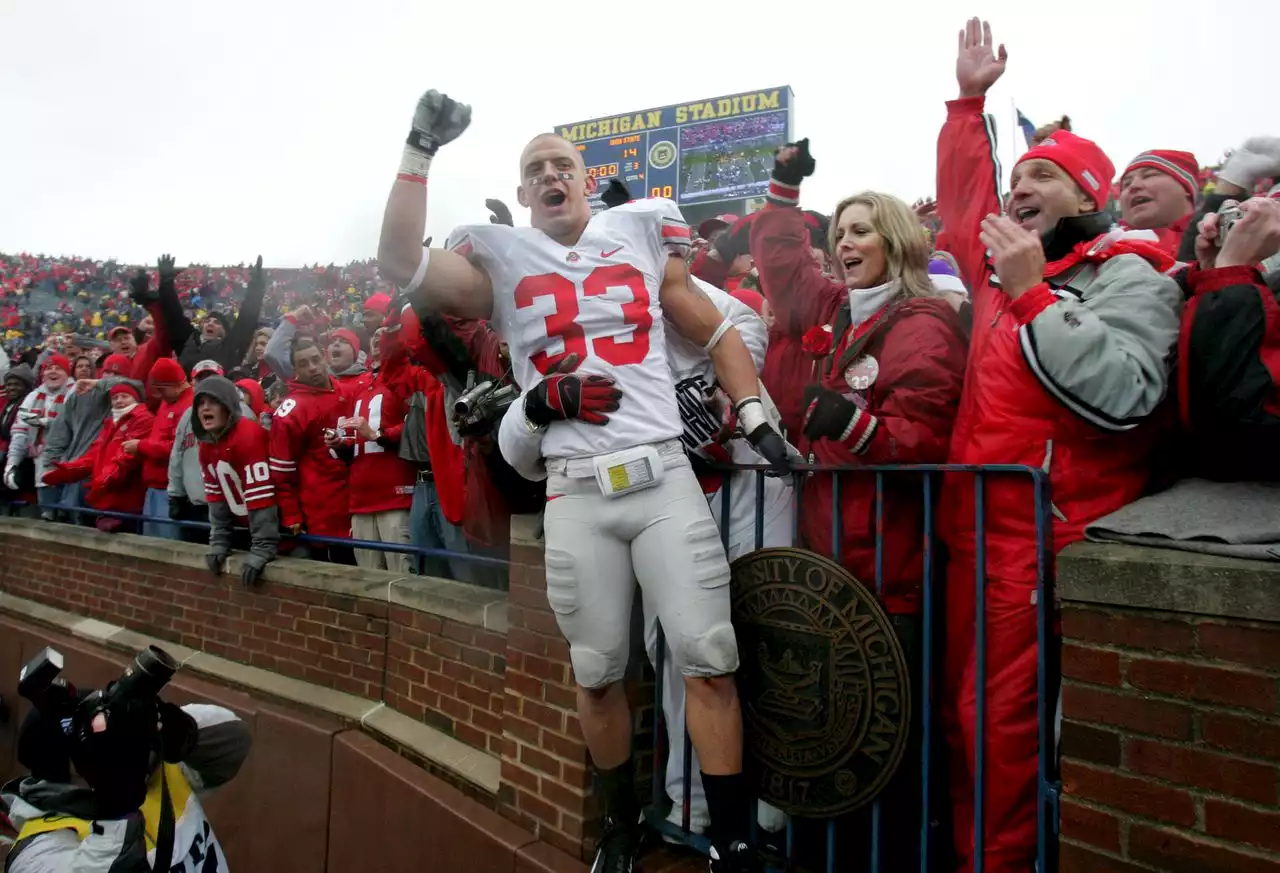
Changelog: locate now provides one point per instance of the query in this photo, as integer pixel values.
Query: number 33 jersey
(597, 299)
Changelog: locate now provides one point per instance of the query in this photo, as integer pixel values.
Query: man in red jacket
(1073, 329)
(1158, 193)
(311, 480)
(115, 482)
(170, 382)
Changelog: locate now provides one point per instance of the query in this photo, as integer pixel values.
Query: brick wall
(446, 673)
(1170, 741)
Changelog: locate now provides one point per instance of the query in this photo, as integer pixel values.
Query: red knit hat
(1182, 166)
(117, 365)
(751, 298)
(57, 360)
(1082, 160)
(347, 337)
(125, 388)
(167, 371)
(378, 303)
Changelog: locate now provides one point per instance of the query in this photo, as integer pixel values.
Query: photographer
(142, 764)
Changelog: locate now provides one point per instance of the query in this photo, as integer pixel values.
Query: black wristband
(423, 142)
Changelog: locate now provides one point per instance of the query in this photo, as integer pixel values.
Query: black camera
(481, 406)
(41, 682)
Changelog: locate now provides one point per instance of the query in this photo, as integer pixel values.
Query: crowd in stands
(735, 130)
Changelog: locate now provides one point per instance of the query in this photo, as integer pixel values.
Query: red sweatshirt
(156, 447)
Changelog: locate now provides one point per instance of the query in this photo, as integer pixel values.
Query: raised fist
(140, 287)
(977, 65)
(793, 163)
(438, 119)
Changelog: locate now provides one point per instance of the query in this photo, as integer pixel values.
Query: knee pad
(592, 669)
(715, 653)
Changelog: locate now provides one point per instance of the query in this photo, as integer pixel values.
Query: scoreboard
(709, 156)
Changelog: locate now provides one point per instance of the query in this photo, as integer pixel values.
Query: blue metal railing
(931, 856)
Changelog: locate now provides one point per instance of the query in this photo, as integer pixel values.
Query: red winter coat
(919, 349)
(1063, 378)
(310, 479)
(156, 447)
(115, 478)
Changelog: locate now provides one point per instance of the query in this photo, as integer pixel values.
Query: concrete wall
(418, 681)
(1171, 732)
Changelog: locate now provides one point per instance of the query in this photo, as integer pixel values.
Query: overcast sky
(218, 131)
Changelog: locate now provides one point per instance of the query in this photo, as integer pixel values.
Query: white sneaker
(769, 817)
(699, 821)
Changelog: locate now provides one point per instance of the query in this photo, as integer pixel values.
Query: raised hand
(792, 163)
(978, 65)
(501, 214)
(257, 277)
(168, 270)
(140, 287)
(437, 119)
(615, 193)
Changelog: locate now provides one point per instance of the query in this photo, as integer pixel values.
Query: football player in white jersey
(623, 504)
(703, 425)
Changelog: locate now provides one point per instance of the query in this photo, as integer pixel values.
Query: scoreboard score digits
(709, 155)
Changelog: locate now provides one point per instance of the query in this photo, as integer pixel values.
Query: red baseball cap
(711, 225)
(115, 330)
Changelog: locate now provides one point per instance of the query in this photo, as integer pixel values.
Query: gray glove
(215, 561)
(11, 478)
(437, 120)
(1257, 159)
(251, 572)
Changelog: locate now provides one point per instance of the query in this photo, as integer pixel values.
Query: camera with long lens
(41, 682)
(481, 406)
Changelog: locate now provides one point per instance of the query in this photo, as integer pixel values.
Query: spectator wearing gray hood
(237, 478)
(186, 481)
(18, 382)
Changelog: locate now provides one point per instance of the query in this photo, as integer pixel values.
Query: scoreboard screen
(710, 156)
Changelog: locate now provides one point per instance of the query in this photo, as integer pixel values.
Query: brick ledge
(473, 766)
(1169, 580)
(469, 604)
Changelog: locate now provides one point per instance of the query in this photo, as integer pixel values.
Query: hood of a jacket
(358, 367)
(257, 400)
(24, 373)
(224, 391)
(29, 798)
(1063, 236)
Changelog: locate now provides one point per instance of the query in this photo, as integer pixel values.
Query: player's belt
(585, 467)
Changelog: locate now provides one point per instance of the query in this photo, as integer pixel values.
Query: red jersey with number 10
(597, 299)
(236, 471)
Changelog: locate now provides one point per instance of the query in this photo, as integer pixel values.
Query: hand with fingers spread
(1018, 254)
(1254, 237)
(978, 64)
(564, 395)
(167, 269)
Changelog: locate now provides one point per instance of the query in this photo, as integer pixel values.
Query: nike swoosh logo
(612, 253)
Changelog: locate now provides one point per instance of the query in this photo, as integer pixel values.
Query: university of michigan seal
(824, 684)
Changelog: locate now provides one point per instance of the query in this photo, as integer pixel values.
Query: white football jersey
(598, 299)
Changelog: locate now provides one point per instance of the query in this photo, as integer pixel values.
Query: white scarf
(866, 302)
(117, 414)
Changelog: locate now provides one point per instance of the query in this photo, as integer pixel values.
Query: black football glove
(615, 193)
(798, 168)
(167, 269)
(761, 434)
(563, 394)
(501, 214)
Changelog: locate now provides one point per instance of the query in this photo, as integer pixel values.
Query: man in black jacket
(217, 340)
